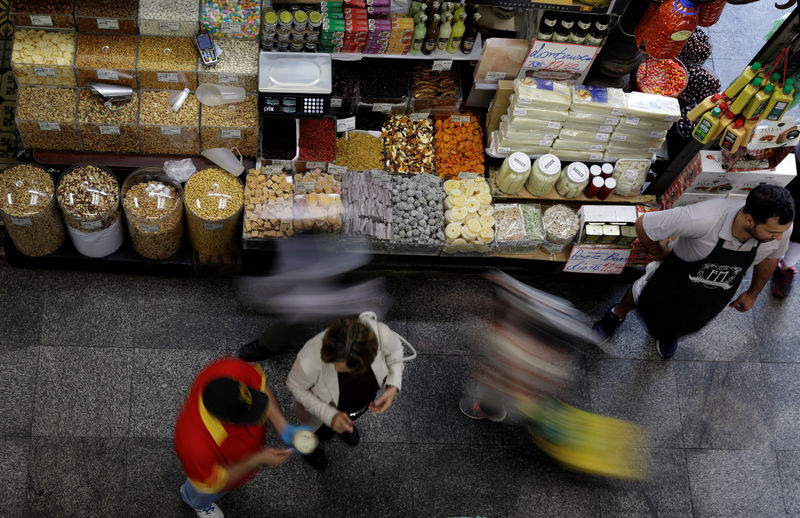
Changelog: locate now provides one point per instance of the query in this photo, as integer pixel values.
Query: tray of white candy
(469, 216)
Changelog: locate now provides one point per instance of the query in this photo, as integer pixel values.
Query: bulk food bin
(213, 200)
(166, 132)
(89, 199)
(28, 209)
(106, 16)
(106, 59)
(166, 62)
(47, 118)
(169, 17)
(45, 58)
(153, 206)
(108, 129)
(234, 19)
(50, 14)
(231, 125)
(237, 66)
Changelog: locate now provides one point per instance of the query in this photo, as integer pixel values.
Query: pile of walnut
(268, 205)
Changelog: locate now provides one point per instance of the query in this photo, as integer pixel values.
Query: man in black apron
(680, 295)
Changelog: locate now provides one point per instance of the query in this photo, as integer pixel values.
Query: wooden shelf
(538, 255)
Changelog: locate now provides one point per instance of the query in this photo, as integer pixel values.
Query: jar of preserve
(544, 175)
(513, 173)
(573, 180)
(664, 28)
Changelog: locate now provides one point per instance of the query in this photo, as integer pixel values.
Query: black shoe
(351, 438)
(605, 327)
(317, 459)
(253, 352)
(666, 347)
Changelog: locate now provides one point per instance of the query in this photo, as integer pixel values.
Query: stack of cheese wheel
(469, 216)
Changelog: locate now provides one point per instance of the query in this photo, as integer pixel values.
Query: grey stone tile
(77, 477)
(394, 425)
(789, 468)
(434, 386)
(730, 336)
(757, 18)
(207, 330)
(21, 293)
(18, 385)
(161, 381)
(153, 478)
(450, 297)
(642, 392)
(778, 332)
(13, 475)
(722, 405)
(782, 387)
(735, 483)
(436, 336)
(82, 392)
(459, 480)
(631, 340)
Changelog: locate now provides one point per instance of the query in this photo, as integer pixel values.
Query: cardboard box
(714, 178)
(622, 215)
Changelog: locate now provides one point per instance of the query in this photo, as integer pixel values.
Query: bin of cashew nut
(154, 211)
(214, 200)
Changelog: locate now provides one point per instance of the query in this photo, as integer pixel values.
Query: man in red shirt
(220, 432)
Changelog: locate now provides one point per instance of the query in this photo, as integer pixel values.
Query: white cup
(225, 158)
(214, 95)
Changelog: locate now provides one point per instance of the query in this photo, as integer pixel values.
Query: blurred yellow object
(596, 3)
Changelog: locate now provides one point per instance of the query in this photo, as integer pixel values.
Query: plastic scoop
(225, 158)
(215, 95)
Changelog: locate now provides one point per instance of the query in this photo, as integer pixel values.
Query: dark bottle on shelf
(431, 35)
(584, 22)
(547, 26)
(431, 9)
(567, 22)
(596, 35)
(602, 22)
(470, 34)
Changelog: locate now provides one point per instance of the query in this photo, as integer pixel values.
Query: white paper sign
(460, 118)
(49, 126)
(44, 71)
(467, 176)
(441, 65)
(231, 28)
(164, 77)
(345, 124)
(149, 227)
(169, 26)
(316, 165)
(381, 107)
(22, 222)
(336, 169)
(231, 133)
(228, 78)
(559, 61)
(109, 130)
(110, 75)
(587, 259)
(108, 24)
(170, 130)
(494, 76)
(44, 21)
(419, 116)
(336, 102)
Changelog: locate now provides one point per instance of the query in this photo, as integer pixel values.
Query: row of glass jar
(238, 20)
(79, 120)
(89, 200)
(59, 58)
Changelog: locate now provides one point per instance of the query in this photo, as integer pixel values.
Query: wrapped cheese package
(578, 145)
(589, 136)
(593, 118)
(652, 107)
(606, 101)
(530, 111)
(543, 132)
(543, 93)
(589, 126)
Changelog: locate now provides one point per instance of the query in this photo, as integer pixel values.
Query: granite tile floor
(96, 365)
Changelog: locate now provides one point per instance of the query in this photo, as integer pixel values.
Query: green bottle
(419, 35)
(457, 33)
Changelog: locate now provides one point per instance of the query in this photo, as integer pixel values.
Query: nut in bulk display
(154, 211)
(106, 59)
(231, 125)
(169, 17)
(43, 58)
(360, 150)
(408, 145)
(234, 19)
(28, 209)
(47, 118)
(317, 140)
(214, 200)
(268, 199)
(166, 132)
(106, 16)
(105, 129)
(167, 63)
(46, 14)
(469, 216)
(89, 199)
(237, 65)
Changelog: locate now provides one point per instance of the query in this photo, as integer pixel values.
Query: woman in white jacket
(338, 373)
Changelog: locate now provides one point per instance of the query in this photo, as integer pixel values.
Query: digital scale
(294, 105)
(294, 85)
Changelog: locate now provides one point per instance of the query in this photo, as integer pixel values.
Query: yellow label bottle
(745, 95)
(707, 126)
(733, 136)
(725, 119)
(778, 103)
(742, 81)
(758, 102)
(709, 103)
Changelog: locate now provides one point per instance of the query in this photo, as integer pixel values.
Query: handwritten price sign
(559, 61)
(586, 259)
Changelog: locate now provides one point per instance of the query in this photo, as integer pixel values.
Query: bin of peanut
(167, 63)
(214, 200)
(154, 212)
(268, 200)
(28, 209)
(105, 129)
(106, 59)
(47, 118)
(231, 125)
(459, 145)
(166, 132)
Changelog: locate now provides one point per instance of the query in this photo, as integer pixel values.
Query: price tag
(441, 65)
(467, 176)
(617, 112)
(165, 77)
(316, 165)
(162, 202)
(42, 21)
(596, 156)
(381, 107)
(231, 28)
(656, 134)
(109, 130)
(606, 129)
(524, 100)
(633, 121)
(108, 24)
(282, 163)
(419, 116)
(336, 102)
(345, 124)
(494, 76)
(503, 149)
(619, 138)
(601, 136)
(44, 71)
(49, 126)
(596, 147)
(231, 133)
(611, 121)
(170, 130)
(519, 112)
(228, 78)
(92, 225)
(34, 199)
(336, 169)
(304, 187)
(213, 226)
(95, 198)
(631, 175)
(110, 75)
(554, 125)
(149, 227)
(460, 118)
(22, 222)
(273, 169)
(169, 26)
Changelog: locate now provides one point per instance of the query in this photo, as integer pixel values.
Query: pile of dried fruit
(459, 146)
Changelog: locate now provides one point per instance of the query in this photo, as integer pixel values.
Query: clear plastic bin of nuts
(108, 129)
(47, 118)
(214, 200)
(154, 211)
(89, 199)
(28, 209)
(50, 14)
(166, 132)
(231, 125)
(169, 17)
(167, 63)
(236, 66)
(106, 16)
(44, 58)
(106, 59)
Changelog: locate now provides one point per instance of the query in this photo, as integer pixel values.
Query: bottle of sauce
(733, 136)
(470, 34)
(418, 39)
(706, 126)
(709, 103)
(748, 75)
(547, 27)
(664, 29)
(460, 9)
(430, 36)
(758, 103)
(778, 103)
(457, 34)
(726, 118)
(445, 30)
(745, 95)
